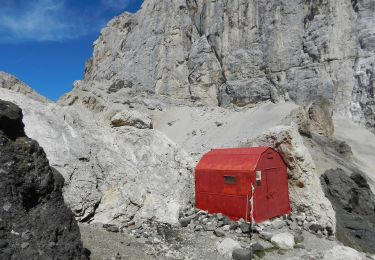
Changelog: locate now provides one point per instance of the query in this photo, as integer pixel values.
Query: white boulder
(283, 240)
(226, 247)
(131, 118)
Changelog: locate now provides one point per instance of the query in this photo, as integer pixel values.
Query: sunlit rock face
(238, 53)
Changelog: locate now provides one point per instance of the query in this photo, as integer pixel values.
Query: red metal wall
(216, 192)
(271, 197)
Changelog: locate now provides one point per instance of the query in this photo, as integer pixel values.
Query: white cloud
(51, 20)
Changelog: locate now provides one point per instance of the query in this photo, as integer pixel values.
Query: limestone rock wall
(305, 192)
(112, 174)
(239, 53)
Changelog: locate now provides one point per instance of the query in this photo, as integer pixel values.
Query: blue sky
(45, 43)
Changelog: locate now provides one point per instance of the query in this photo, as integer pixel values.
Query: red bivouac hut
(224, 180)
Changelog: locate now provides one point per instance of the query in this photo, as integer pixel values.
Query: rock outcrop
(354, 203)
(131, 118)
(238, 53)
(305, 191)
(113, 175)
(34, 221)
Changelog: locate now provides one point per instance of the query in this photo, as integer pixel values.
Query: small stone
(266, 235)
(257, 247)
(300, 246)
(315, 228)
(301, 217)
(298, 237)
(241, 254)
(226, 247)
(245, 228)
(226, 228)
(283, 240)
(24, 245)
(198, 228)
(307, 225)
(218, 123)
(226, 221)
(219, 216)
(278, 224)
(7, 206)
(3, 244)
(26, 235)
(293, 226)
(184, 222)
(14, 232)
(219, 233)
(190, 212)
(220, 223)
(209, 228)
(111, 228)
(233, 225)
(309, 219)
(238, 231)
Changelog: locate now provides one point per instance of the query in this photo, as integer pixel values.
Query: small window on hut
(258, 177)
(230, 180)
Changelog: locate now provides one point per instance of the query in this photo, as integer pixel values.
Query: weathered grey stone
(305, 192)
(320, 115)
(283, 240)
(277, 224)
(111, 174)
(239, 53)
(131, 118)
(226, 247)
(342, 252)
(219, 233)
(354, 203)
(241, 254)
(185, 222)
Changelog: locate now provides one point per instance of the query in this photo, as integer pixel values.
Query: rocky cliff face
(238, 53)
(34, 221)
(354, 204)
(117, 170)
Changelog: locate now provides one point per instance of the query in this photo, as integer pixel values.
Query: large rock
(131, 118)
(320, 115)
(10, 120)
(305, 192)
(34, 221)
(354, 204)
(239, 53)
(112, 175)
(283, 240)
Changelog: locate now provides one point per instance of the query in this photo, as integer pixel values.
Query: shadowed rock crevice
(11, 120)
(354, 204)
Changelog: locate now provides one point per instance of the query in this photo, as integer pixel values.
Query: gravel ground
(108, 245)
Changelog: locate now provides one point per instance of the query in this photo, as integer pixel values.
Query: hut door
(273, 181)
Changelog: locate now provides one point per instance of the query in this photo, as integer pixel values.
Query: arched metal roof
(231, 159)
